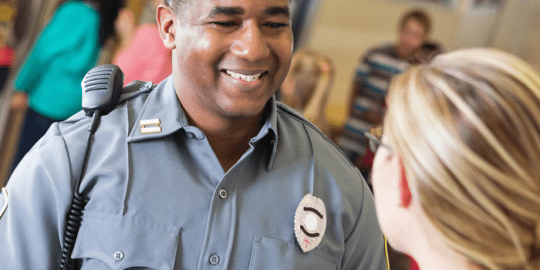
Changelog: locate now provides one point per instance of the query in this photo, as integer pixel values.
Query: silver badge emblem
(310, 222)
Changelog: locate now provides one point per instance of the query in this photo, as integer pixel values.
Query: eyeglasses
(375, 139)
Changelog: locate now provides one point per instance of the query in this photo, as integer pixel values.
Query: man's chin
(244, 107)
(243, 113)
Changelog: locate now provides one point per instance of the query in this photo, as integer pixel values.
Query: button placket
(221, 222)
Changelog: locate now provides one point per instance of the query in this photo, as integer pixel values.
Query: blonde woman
(307, 86)
(457, 175)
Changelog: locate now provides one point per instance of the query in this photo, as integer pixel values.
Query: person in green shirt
(49, 81)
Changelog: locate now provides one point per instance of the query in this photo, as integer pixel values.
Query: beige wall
(531, 46)
(346, 29)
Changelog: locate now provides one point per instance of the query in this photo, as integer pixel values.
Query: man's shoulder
(303, 143)
(112, 132)
(297, 118)
(136, 89)
(134, 93)
(297, 127)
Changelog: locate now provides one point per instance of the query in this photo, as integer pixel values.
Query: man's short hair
(179, 5)
(418, 15)
(176, 5)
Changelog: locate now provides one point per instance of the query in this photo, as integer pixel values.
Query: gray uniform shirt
(162, 200)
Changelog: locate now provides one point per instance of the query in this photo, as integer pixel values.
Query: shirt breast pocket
(270, 253)
(125, 243)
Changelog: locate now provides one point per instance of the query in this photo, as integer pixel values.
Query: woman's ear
(166, 19)
(405, 196)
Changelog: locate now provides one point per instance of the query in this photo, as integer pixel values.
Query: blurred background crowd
(345, 55)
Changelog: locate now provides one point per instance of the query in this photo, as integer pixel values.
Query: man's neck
(228, 137)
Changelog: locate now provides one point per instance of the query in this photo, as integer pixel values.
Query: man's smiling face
(231, 56)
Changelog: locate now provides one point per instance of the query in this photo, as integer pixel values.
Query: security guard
(203, 171)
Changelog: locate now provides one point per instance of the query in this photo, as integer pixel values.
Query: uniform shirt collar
(163, 104)
(268, 133)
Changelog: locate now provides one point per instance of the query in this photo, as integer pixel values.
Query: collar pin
(150, 126)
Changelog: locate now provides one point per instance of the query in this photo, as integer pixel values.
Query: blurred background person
(456, 177)
(308, 85)
(426, 53)
(370, 84)
(49, 82)
(141, 54)
(8, 11)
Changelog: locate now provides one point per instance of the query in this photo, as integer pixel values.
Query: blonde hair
(311, 102)
(467, 127)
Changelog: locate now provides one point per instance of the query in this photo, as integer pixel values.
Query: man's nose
(250, 43)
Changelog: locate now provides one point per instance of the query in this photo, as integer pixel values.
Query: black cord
(74, 215)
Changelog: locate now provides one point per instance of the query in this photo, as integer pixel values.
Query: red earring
(405, 192)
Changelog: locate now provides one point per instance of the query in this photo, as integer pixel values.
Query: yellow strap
(386, 253)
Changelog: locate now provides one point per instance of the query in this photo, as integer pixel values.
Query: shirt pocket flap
(122, 243)
(266, 250)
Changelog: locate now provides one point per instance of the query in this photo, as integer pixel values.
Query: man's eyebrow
(273, 11)
(225, 11)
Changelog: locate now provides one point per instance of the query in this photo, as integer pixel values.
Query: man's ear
(405, 196)
(165, 20)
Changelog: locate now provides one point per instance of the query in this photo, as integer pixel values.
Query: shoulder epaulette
(134, 89)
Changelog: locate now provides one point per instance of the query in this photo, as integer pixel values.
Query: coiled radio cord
(74, 216)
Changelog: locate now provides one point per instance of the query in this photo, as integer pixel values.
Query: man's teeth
(243, 77)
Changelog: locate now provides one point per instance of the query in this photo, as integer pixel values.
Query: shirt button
(144, 86)
(118, 255)
(223, 193)
(191, 136)
(214, 259)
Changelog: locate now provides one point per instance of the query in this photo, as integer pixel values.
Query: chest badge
(310, 222)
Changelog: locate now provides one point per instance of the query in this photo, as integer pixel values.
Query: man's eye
(277, 25)
(225, 24)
